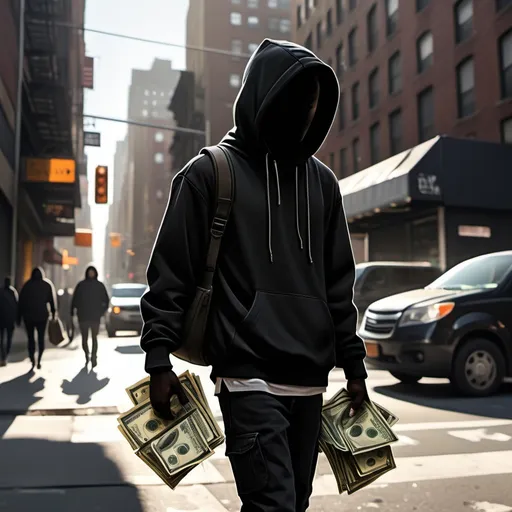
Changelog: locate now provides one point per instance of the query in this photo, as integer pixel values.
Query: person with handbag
(279, 287)
(37, 300)
(90, 302)
(8, 315)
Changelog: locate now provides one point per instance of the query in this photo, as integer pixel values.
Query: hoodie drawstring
(297, 215)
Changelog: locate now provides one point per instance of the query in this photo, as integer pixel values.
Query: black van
(459, 327)
(378, 279)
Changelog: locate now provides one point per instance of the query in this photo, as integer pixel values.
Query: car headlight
(116, 310)
(426, 314)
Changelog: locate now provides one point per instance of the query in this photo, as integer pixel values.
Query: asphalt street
(60, 450)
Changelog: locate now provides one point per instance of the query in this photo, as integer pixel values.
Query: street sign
(92, 139)
(115, 239)
(50, 170)
(58, 211)
(83, 238)
(68, 260)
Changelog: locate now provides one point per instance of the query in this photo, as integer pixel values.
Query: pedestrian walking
(90, 301)
(37, 301)
(64, 297)
(8, 317)
(282, 312)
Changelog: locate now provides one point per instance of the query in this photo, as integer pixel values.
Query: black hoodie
(282, 306)
(90, 298)
(37, 298)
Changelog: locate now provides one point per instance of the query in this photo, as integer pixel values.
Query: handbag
(196, 318)
(56, 332)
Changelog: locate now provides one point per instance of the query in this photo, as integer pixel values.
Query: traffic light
(101, 184)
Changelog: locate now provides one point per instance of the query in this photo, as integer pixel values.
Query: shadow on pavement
(84, 385)
(17, 395)
(442, 396)
(62, 477)
(129, 349)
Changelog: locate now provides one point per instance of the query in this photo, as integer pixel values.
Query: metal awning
(385, 184)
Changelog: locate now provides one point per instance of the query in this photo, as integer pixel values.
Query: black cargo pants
(272, 445)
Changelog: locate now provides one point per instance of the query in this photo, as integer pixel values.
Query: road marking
(432, 467)
(405, 441)
(447, 425)
(485, 506)
(479, 434)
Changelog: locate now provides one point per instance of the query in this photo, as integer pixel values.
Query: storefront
(443, 201)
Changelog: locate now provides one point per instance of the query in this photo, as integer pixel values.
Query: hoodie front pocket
(282, 327)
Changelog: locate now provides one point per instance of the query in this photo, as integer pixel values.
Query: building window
(252, 47)
(236, 46)
(355, 101)
(339, 61)
(273, 24)
(159, 137)
(145, 112)
(395, 73)
(328, 23)
(352, 47)
(463, 20)
(375, 143)
(395, 131)
(426, 114)
(339, 12)
(506, 64)
(421, 4)
(252, 4)
(284, 26)
(373, 88)
(371, 28)
(159, 158)
(341, 112)
(253, 21)
(272, 4)
(352, 4)
(355, 155)
(235, 18)
(236, 2)
(234, 80)
(425, 51)
(501, 4)
(319, 34)
(466, 88)
(506, 131)
(299, 15)
(308, 43)
(391, 16)
(343, 163)
(284, 4)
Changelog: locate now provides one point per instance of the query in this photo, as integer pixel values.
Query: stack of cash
(358, 448)
(171, 448)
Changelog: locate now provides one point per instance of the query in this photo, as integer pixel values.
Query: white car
(124, 310)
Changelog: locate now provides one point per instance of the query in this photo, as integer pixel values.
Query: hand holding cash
(171, 443)
(357, 445)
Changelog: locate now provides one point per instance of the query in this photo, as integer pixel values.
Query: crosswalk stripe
(449, 425)
(432, 467)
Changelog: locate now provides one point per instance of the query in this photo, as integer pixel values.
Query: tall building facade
(143, 165)
(409, 70)
(51, 127)
(236, 27)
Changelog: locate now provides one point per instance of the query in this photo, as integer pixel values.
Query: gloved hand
(162, 386)
(358, 393)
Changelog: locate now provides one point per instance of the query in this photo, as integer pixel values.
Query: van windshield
(482, 272)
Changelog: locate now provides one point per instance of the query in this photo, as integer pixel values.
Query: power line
(154, 41)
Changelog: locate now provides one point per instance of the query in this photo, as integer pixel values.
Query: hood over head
(93, 269)
(274, 71)
(37, 274)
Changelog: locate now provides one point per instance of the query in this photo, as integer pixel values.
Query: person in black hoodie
(282, 313)
(90, 301)
(8, 317)
(37, 299)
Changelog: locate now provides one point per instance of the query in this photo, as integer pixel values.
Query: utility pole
(17, 141)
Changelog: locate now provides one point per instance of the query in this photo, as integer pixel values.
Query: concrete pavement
(64, 453)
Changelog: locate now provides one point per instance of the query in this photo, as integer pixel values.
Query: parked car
(124, 311)
(458, 327)
(378, 279)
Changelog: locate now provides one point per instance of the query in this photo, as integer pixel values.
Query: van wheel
(406, 378)
(478, 368)
(111, 334)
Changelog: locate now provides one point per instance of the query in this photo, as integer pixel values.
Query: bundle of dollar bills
(171, 448)
(357, 448)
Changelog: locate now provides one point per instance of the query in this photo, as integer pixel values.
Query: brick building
(237, 27)
(409, 70)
